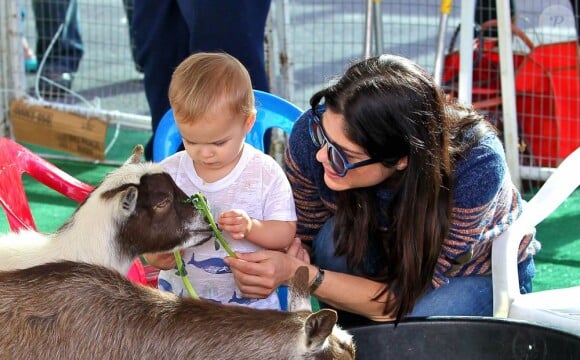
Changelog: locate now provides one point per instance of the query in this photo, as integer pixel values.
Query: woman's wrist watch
(317, 280)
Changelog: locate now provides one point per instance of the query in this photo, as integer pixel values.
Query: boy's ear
(250, 122)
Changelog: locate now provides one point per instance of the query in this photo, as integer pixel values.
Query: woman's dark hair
(392, 109)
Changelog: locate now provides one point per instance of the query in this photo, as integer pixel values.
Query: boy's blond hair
(205, 81)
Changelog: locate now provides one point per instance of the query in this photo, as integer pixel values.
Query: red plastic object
(15, 160)
(486, 88)
(548, 101)
(547, 84)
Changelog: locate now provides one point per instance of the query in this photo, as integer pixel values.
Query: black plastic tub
(463, 338)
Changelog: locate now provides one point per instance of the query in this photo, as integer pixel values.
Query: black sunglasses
(338, 160)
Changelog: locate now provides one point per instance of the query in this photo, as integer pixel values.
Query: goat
(69, 310)
(136, 209)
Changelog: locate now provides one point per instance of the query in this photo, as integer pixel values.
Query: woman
(399, 197)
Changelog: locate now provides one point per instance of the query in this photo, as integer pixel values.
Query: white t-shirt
(258, 185)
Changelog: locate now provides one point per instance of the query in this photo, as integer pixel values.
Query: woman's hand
(297, 250)
(258, 274)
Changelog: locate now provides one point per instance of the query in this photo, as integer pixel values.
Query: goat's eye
(162, 204)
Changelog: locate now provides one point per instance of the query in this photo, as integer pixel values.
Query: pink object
(136, 273)
(15, 160)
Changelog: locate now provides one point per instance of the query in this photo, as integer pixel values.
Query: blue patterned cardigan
(485, 203)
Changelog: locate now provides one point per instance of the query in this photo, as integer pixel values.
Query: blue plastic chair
(273, 112)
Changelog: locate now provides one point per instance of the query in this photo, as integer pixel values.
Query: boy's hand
(236, 222)
(163, 261)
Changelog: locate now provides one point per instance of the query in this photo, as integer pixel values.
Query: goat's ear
(299, 292)
(129, 200)
(318, 327)
(136, 156)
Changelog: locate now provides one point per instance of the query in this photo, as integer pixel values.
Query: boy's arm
(272, 234)
(162, 261)
(269, 234)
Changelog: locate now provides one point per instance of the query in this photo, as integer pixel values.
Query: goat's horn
(136, 156)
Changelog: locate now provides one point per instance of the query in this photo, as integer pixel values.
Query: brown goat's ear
(318, 327)
(298, 290)
(136, 156)
(129, 200)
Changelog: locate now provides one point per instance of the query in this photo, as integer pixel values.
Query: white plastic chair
(559, 308)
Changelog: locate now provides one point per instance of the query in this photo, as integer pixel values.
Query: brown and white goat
(137, 208)
(70, 310)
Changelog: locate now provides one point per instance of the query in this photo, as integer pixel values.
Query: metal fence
(309, 43)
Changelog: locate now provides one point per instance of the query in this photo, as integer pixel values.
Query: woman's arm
(353, 294)
(484, 204)
(311, 196)
(258, 274)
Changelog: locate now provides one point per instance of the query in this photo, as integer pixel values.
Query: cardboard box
(58, 130)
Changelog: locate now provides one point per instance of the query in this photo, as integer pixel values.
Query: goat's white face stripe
(128, 174)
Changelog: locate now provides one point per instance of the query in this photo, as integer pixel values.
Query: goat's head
(322, 337)
(141, 209)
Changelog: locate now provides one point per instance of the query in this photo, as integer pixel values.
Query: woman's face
(364, 176)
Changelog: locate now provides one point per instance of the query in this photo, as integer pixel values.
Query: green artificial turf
(557, 264)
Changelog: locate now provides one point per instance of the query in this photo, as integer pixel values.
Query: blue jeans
(236, 27)
(67, 51)
(462, 296)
